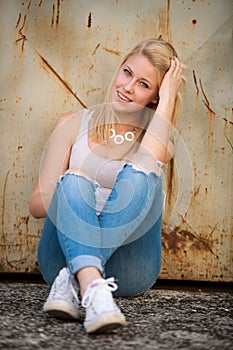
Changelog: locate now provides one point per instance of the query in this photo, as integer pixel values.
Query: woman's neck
(133, 119)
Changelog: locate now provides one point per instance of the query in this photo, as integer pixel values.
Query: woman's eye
(143, 84)
(126, 71)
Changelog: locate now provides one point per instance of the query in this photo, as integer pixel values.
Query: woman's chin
(124, 107)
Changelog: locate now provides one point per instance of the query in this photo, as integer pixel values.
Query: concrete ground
(169, 316)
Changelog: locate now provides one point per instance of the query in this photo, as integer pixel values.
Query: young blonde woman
(100, 189)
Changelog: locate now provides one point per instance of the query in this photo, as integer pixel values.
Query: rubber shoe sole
(105, 323)
(60, 309)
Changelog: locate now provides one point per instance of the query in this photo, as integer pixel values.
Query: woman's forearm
(157, 137)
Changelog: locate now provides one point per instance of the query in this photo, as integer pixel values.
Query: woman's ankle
(85, 276)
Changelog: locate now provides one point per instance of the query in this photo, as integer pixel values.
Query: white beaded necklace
(119, 139)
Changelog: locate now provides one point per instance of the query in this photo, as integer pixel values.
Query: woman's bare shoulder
(68, 124)
(70, 117)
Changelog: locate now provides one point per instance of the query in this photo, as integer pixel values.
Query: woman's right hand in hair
(156, 139)
(169, 89)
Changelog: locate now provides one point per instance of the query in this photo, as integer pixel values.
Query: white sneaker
(101, 311)
(63, 300)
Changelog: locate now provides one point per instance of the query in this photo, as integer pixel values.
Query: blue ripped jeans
(124, 241)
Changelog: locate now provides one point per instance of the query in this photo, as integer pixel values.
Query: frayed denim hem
(82, 261)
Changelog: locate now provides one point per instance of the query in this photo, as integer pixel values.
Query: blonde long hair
(159, 52)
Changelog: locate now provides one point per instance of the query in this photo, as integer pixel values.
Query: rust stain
(20, 31)
(4, 206)
(92, 90)
(197, 92)
(164, 22)
(114, 52)
(53, 15)
(195, 81)
(96, 48)
(19, 148)
(89, 21)
(170, 180)
(29, 4)
(19, 18)
(58, 12)
(196, 191)
(61, 80)
(227, 121)
(183, 240)
(205, 100)
(22, 221)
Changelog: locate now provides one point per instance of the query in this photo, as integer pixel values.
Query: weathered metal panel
(52, 55)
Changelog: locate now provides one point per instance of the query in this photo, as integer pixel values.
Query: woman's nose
(129, 86)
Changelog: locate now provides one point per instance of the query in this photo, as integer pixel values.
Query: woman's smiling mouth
(123, 98)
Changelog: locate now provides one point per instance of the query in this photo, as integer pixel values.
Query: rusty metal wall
(59, 55)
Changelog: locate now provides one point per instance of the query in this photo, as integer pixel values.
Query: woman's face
(135, 85)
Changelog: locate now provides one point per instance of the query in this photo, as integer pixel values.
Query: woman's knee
(144, 162)
(75, 179)
(78, 172)
(142, 181)
(76, 189)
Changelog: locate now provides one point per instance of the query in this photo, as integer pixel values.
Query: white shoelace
(108, 284)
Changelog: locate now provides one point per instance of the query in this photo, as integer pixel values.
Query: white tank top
(103, 171)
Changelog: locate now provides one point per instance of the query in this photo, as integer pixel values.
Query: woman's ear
(155, 100)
